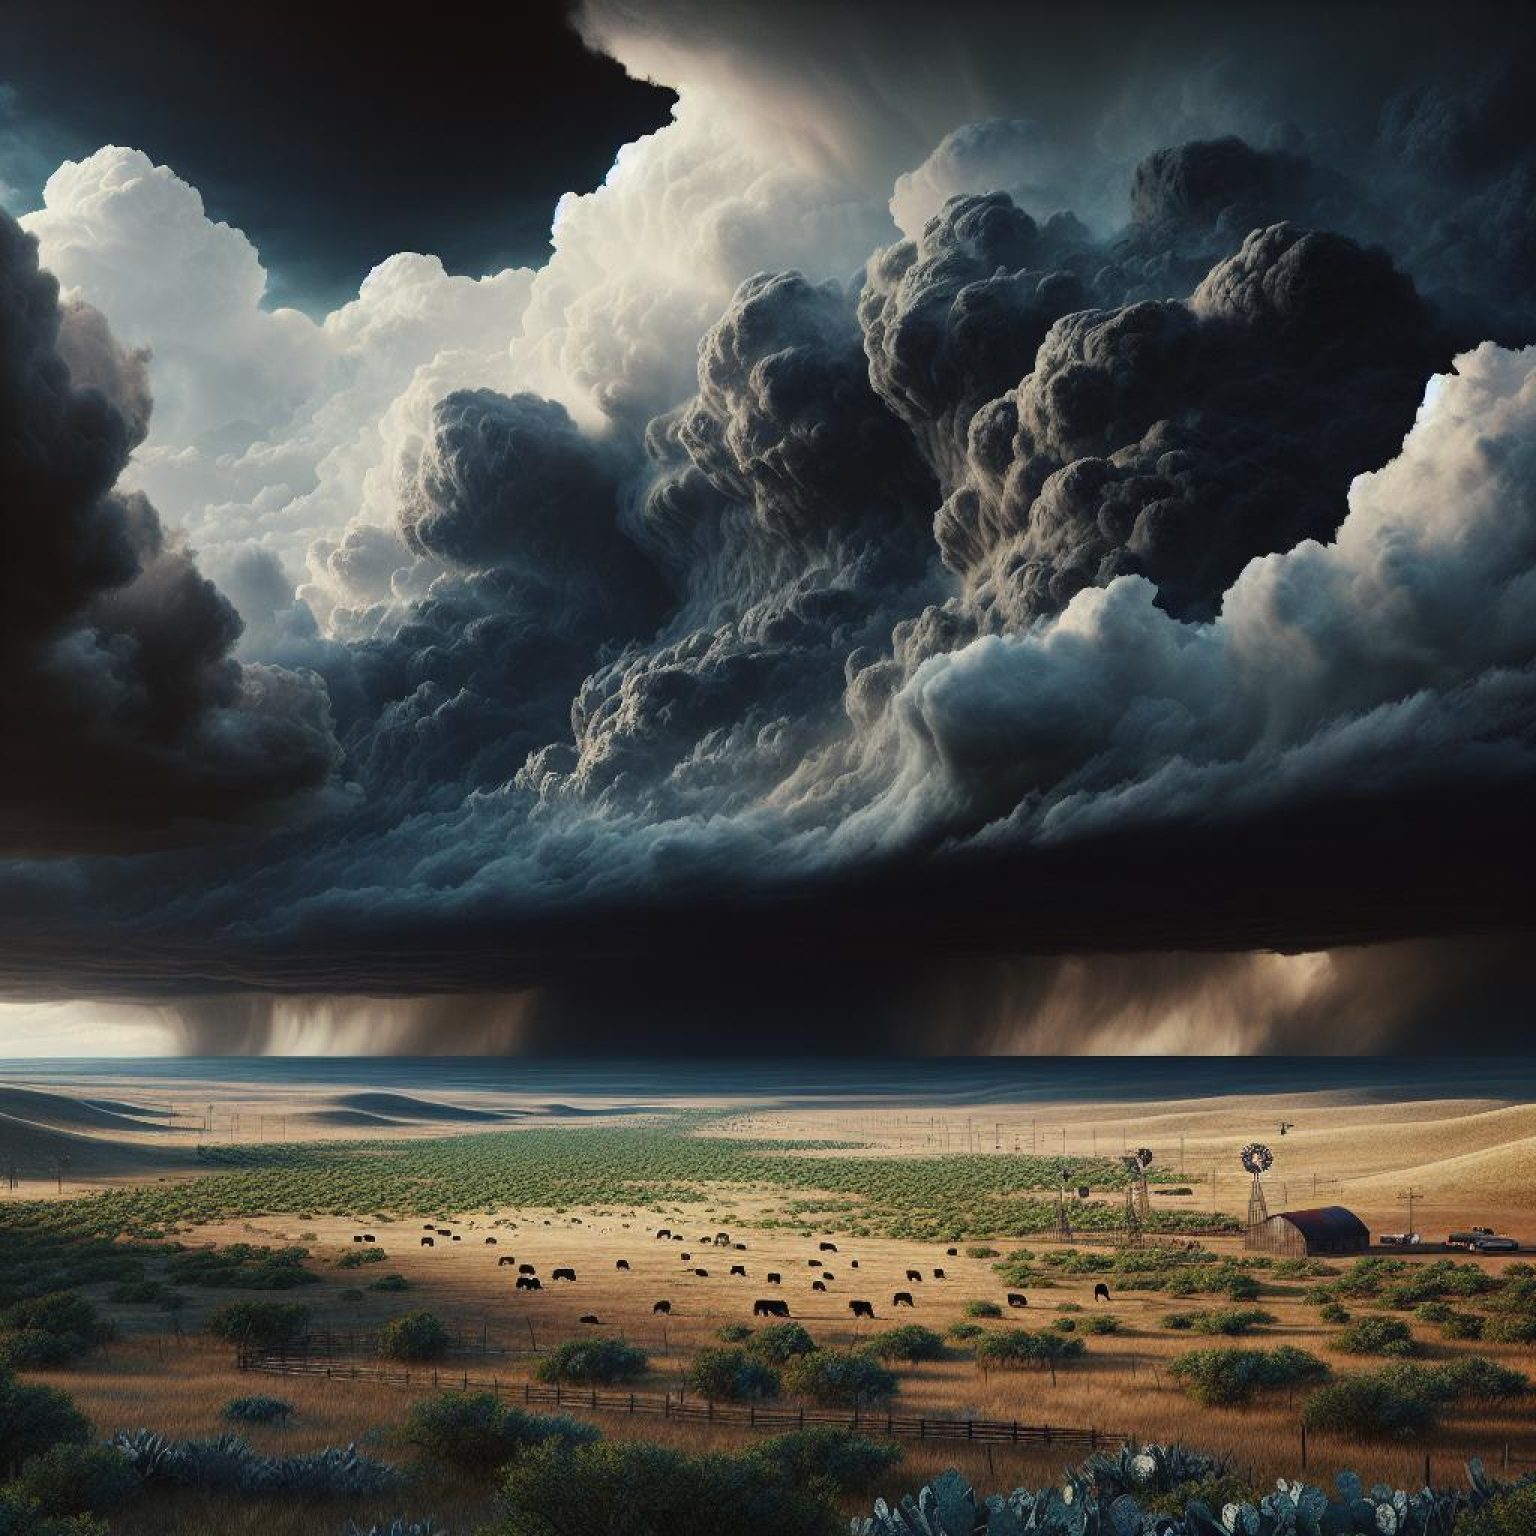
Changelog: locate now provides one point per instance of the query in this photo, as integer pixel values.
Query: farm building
(1301, 1234)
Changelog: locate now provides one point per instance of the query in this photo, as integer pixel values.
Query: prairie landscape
(165, 1202)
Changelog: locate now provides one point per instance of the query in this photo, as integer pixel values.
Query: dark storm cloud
(1056, 587)
(126, 718)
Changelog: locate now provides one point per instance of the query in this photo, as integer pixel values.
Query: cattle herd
(528, 1280)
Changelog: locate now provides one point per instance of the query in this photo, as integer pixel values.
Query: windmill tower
(1138, 1205)
(1257, 1159)
(1063, 1232)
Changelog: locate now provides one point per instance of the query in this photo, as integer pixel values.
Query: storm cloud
(846, 584)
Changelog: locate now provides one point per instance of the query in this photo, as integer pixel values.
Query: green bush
(734, 1333)
(635, 1490)
(1510, 1329)
(839, 1378)
(476, 1432)
(980, 1251)
(594, 1361)
(1179, 1322)
(389, 1283)
(1511, 1513)
(262, 1323)
(730, 1374)
(355, 1258)
(1220, 1378)
(837, 1458)
(258, 1410)
(418, 1335)
(1376, 1336)
(242, 1266)
(51, 1329)
(133, 1293)
(35, 1419)
(1332, 1312)
(1371, 1407)
(1100, 1322)
(1433, 1312)
(911, 1341)
(1018, 1346)
(779, 1343)
(961, 1332)
(1462, 1325)
(77, 1479)
(983, 1309)
(1230, 1322)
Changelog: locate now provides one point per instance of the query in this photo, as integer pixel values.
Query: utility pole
(1410, 1195)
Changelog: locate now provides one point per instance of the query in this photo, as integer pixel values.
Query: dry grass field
(1465, 1158)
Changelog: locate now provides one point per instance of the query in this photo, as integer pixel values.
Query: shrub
(1510, 1513)
(1462, 1325)
(734, 1333)
(1065, 1325)
(983, 1309)
(19, 1516)
(242, 1266)
(1180, 1322)
(911, 1341)
(840, 1378)
(1510, 1330)
(1332, 1312)
(731, 1374)
(355, 1258)
(1376, 1336)
(1433, 1312)
(1371, 1406)
(961, 1332)
(1018, 1346)
(258, 1410)
(780, 1343)
(263, 1323)
(1099, 1322)
(415, 1335)
(476, 1432)
(138, 1292)
(1219, 1378)
(980, 1251)
(35, 1419)
(389, 1283)
(627, 1489)
(51, 1329)
(846, 1462)
(77, 1479)
(1230, 1321)
(600, 1361)
(1473, 1378)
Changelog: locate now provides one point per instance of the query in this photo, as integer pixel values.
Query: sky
(918, 528)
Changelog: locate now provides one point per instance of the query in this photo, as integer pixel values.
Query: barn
(1303, 1234)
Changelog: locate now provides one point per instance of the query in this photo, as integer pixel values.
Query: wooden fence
(680, 1405)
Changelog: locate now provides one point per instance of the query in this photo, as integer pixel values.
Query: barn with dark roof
(1304, 1234)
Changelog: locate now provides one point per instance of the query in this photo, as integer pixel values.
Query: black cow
(914, 1274)
(818, 1285)
(853, 1263)
(457, 1238)
(368, 1237)
(722, 1239)
(428, 1227)
(663, 1306)
(562, 1274)
(827, 1274)
(774, 1279)
(357, 1237)
(504, 1260)
(938, 1274)
(1015, 1300)
(703, 1274)
(739, 1269)
(663, 1232)
(677, 1237)
(953, 1253)
(902, 1299)
(862, 1308)
(739, 1247)
(685, 1257)
(1101, 1292)
(428, 1242)
(528, 1283)
(770, 1309)
(622, 1264)
(590, 1317)
(490, 1242)
(526, 1269)
(826, 1247)
(442, 1232)
(814, 1263)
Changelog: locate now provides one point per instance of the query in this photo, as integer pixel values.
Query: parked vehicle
(1496, 1245)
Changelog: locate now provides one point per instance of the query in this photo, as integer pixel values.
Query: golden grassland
(1469, 1159)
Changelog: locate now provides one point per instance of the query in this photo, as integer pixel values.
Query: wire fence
(679, 1405)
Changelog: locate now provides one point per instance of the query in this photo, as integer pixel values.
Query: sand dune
(356, 1117)
(62, 1111)
(402, 1106)
(36, 1149)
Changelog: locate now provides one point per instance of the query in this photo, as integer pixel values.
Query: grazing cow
(902, 1299)
(1015, 1300)
(862, 1308)
(914, 1274)
(457, 1238)
(953, 1253)
(442, 1232)
(529, 1283)
(685, 1257)
(818, 1285)
(622, 1264)
(826, 1247)
(853, 1263)
(662, 1233)
(562, 1274)
(938, 1274)
(1101, 1292)
(357, 1237)
(739, 1247)
(663, 1307)
(827, 1274)
(490, 1242)
(428, 1242)
(677, 1237)
(368, 1237)
(764, 1308)
(722, 1239)
(739, 1269)
(590, 1317)
(428, 1227)
(814, 1263)
(526, 1269)
(703, 1274)
(504, 1260)
(774, 1279)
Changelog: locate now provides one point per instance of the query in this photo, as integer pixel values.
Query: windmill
(1063, 1226)
(1257, 1159)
